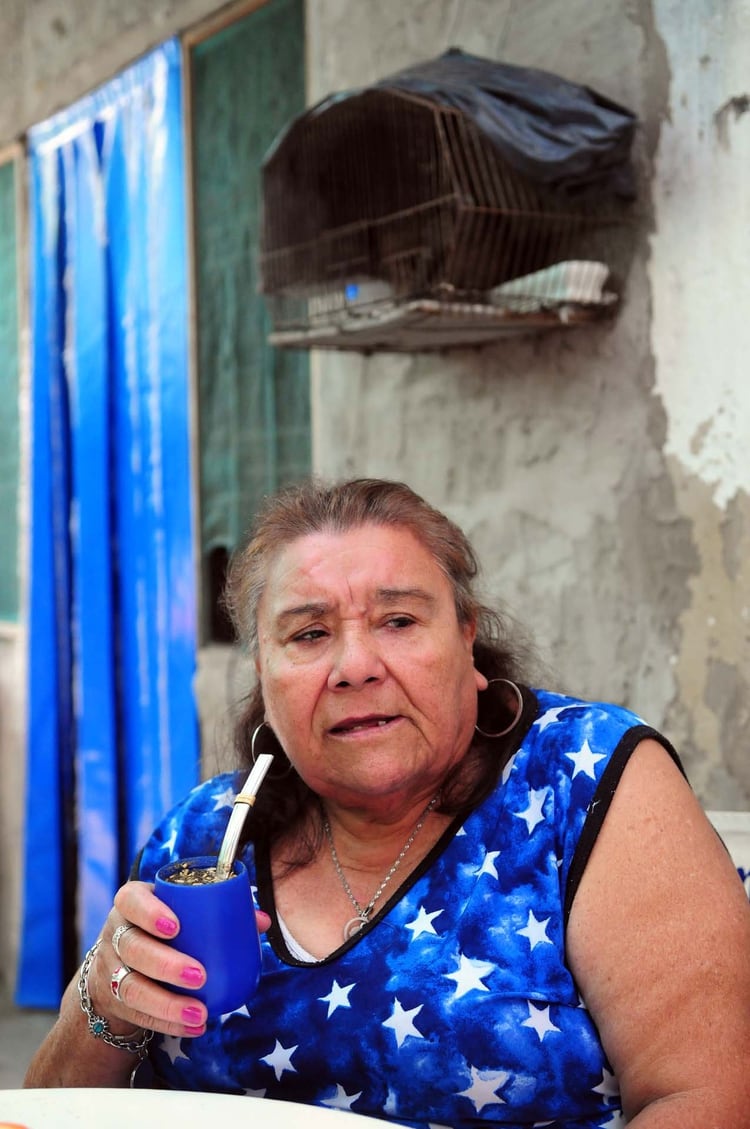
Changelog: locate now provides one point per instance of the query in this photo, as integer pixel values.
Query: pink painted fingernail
(193, 1016)
(195, 1030)
(192, 976)
(166, 926)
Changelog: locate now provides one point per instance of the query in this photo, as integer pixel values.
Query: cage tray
(428, 324)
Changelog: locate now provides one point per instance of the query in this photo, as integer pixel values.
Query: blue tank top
(455, 1006)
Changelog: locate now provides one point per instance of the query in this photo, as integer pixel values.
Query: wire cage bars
(390, 222)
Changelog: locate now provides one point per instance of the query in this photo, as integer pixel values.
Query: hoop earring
(289, 766)
(519, 710)
(254, 737)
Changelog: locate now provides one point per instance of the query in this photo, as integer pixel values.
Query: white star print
(508, 768)
(390, 1103)
(608, 1085)
(422, 923)
(280, 1059)
(584, 760)
(484, 1087)
(533, 813)
(238, 1011)
(169, 844)
(337, 997)
(535, 931)
(341, 1099)
(616, 1121)
(469, 975)
(549, 716)
(224, 799)
(540, 1021)
(488, 864)
(172, 1046)
(401, 1022)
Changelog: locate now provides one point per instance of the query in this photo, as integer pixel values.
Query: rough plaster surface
(700, 333)
(543, 451)
(570, 459)
(700, 251)
(54, 51)
(223, 679)
(548, 451)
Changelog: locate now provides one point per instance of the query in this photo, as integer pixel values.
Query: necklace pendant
(354, 925)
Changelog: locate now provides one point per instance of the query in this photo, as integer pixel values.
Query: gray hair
(317, 507)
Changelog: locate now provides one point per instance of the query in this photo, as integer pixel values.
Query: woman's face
(367, 676)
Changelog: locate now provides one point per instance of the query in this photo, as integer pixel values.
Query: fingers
(118, 934)
(133, 968)
(137, 904)
(143, 1003)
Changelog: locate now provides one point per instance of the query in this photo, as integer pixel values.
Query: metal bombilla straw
(243, 801)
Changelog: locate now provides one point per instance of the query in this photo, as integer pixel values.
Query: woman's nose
(356, 662)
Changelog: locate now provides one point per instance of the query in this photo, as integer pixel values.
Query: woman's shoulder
(560, 712)
(571, 744)
(566, 771)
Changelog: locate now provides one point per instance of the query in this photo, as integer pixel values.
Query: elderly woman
(482, 902)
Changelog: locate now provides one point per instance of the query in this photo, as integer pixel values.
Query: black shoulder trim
(599, 806)
(135, 869)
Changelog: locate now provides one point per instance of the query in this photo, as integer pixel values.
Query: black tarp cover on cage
(551, 130)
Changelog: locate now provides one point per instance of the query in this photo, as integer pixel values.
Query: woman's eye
(400, 621)
(310, 636)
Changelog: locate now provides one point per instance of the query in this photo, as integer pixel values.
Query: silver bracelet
(98, 1025)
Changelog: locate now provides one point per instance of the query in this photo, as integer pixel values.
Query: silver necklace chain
(364, 912)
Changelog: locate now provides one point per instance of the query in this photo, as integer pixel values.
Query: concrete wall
(56, 50)
(602, 473)
(700, 340)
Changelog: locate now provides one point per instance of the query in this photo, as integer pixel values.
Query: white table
(143, 1109)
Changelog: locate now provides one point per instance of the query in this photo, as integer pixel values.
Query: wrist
(135, 1040)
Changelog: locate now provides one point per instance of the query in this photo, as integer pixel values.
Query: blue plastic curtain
(112, 725)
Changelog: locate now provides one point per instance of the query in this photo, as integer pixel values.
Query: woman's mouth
(358, 724)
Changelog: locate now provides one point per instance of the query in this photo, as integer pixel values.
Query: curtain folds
(112, 723)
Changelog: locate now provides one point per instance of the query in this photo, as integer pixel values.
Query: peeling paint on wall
(700, 334)
(712, 708)
(700, 266)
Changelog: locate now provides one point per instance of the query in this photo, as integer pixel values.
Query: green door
(248, 81)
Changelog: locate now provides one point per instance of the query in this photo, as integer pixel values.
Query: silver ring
(117, 978)
(117, 936)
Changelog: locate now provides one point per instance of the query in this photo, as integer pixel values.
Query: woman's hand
(143, 997)
(70, 1055)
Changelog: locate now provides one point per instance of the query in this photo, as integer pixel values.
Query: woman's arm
(71, 1055)
(659, 942)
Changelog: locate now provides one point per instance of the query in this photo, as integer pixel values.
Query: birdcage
(392, 222)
